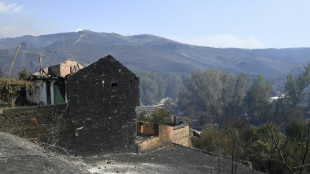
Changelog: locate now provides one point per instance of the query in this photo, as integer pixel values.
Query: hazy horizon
(225, 24)
(148, 34)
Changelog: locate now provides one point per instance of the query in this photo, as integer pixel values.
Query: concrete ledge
(28, 108)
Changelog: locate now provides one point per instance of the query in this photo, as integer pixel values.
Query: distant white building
(271, 99)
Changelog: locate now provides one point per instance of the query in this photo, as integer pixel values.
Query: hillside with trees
(226, 91)
(239, 121)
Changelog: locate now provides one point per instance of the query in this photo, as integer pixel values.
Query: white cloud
(79, 29)
(16, 30)
(24, 24)
(226, 41)
(10, 8)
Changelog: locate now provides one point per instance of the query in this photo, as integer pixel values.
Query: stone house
(102, 98)
(97, 115)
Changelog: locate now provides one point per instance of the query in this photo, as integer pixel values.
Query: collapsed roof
(58, 71)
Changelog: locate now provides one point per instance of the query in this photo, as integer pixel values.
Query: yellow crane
(13, 60)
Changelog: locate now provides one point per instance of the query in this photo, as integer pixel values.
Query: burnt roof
(57, 72)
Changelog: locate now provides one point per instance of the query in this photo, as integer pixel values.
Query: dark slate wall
(102, 99)
(46, 124)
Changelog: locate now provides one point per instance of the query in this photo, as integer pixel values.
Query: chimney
(174, 120)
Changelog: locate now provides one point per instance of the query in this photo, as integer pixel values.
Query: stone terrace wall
(181, 136)
(48, 124)
(153, 143)
(164, 129)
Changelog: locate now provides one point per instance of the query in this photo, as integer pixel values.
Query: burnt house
(96, 113)
(50, 83)
(102, 98)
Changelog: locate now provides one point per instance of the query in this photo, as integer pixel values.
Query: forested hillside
(239, 120)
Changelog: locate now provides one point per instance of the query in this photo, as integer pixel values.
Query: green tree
(10, 89)
(173, 84)
(161, 116)
(142, 116)
(235, 108)
(297, 131)
(202, 95)
(208, 139)
(152, 87)
(297, 149)
(187, 120)
(266, 146)
(1, 73)
(23, 75)
(213, 95)
(257, 99)
(295, 88)
(192, 96)
(260, 90)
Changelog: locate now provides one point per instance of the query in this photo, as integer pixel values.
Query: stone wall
(164, 129)
(153, 143)
(45, 124)
(181, 136)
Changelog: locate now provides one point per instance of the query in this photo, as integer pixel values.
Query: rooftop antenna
(41, 71)
(13, 60)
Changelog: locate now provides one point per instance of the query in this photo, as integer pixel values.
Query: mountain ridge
(147, 53)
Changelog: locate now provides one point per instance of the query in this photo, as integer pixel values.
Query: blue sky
(217, 23)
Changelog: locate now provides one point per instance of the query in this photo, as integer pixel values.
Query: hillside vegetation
(239, 120)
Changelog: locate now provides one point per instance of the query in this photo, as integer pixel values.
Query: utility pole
(13, 60)
(41, 73)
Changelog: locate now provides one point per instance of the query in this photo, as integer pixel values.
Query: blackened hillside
(21, 156)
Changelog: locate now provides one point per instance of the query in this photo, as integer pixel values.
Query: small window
(114, 84)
